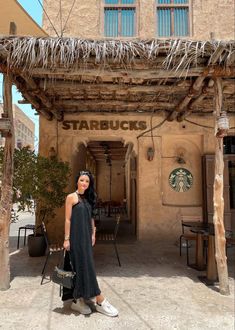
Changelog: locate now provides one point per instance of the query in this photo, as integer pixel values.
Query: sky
(35, 11)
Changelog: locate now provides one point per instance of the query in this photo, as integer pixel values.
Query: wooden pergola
(177, 78)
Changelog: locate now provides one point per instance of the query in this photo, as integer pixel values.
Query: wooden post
(218, 218)
(6, 191)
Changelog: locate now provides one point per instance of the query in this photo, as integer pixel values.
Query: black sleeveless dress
(81, 253)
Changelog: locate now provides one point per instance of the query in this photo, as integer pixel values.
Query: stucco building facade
(12, 13)
(206, 19)
(160, 188)
(24, 129)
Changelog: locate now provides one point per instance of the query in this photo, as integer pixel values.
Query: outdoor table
(193, 224)
(25, 228)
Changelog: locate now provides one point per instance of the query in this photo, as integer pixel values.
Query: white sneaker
(81, 307)
(106, 308)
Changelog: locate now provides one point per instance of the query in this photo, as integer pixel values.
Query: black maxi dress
(81, 253)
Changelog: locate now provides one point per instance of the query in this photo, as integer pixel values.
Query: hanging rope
(61, 31)
(152, 128)
(39, 1)
(68, 17)
(200, 125)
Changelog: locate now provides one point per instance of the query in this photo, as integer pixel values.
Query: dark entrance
(114, 185)
(229, 184)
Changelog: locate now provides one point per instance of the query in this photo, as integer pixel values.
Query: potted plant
(38, 184)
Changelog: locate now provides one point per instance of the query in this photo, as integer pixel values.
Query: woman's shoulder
(72, 197)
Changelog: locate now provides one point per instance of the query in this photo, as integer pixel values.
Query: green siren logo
(181, 180)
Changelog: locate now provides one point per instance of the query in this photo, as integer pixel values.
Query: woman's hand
(93, 239)
(66, 245)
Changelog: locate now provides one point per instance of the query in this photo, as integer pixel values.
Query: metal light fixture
(222, 125)
(106, 152)
(150, 153)
(180, 160)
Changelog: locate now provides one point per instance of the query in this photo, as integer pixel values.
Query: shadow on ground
(137, 258)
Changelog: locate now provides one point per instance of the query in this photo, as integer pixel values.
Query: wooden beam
(36, 91)
(48, 113)
(6, 188)
(64, 87)
(216, 55)
(78, 74)
(193, 91)
(143, 73)
(38, 107)
(218, 218)
(96, 104)
(195, 102)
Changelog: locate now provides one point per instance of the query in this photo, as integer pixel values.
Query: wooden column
(6, 191)
(218, 218)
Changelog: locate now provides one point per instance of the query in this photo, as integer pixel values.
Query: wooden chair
(186, 222)
(230, 240)
(51, 248)
(110, 237)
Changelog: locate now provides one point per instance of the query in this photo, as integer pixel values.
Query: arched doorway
(114, 182)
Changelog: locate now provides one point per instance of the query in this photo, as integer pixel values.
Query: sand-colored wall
(159, 207)
(117, 181)
(86, 19)
(12, 11)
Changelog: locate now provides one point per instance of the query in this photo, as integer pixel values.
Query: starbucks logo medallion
(181, 179)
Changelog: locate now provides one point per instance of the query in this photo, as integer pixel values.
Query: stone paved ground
(154, 289)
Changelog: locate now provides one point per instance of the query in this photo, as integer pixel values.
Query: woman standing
(79, 239)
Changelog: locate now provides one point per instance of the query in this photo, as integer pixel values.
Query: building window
(229, 145)
(173, 18)
(120, 18)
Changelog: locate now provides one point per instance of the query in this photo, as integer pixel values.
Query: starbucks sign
(181, 179)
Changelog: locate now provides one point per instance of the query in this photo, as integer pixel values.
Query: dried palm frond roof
(71, 75)
(50, 52)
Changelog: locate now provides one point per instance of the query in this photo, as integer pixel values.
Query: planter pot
(36, 245)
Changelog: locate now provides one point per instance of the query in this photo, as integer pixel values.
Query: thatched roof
(64, 75)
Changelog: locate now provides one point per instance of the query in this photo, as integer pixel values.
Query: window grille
(173, 18)
(120, 18)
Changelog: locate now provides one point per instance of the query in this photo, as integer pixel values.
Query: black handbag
(63, 277)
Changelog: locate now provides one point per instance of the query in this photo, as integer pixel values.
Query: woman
(79, 239)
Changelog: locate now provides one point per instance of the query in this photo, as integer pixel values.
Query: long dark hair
(89, 193)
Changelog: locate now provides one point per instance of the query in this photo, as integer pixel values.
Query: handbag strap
(61, 263)
(70, 261)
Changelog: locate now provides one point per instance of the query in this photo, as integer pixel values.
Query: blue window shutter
(163, 2)
(164, 22)
(127, 2)
(122, 2)
(127, 22)
(181, 22)
(111, 22)
(111, 2)
(182, 2)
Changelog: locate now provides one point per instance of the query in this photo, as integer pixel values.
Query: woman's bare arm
(93, 231)
(68, 213)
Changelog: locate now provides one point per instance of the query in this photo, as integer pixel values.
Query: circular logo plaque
(181, 179)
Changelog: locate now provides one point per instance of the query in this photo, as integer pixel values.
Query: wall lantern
(150, 153)
(180, 160)
(222, 125)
